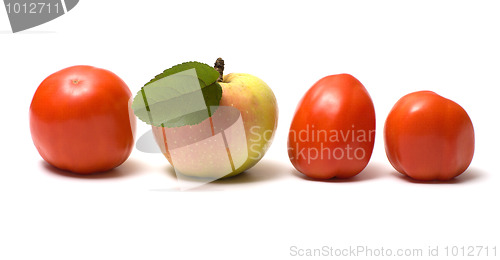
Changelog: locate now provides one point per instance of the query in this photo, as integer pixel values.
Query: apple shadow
(470, 175)
(373, 170)
(128, 168)
(265, 170)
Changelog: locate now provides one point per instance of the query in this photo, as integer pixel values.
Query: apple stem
(219, 67)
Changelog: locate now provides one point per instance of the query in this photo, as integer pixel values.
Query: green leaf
(205, 73)
(185, 94)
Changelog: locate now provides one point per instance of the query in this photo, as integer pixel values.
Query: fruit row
(211, 125)
(427, 137)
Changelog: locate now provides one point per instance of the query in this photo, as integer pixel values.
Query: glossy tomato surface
(333, 130)
(80, 120)
(429, 137)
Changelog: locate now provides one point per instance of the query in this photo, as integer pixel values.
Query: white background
(136, 212)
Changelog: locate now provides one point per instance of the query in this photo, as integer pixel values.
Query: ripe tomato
(333, 130)
(80, 120)
(429, 137)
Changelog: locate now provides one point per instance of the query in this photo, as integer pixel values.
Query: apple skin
(255, 101)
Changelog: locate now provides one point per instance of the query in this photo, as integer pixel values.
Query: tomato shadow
(373, 170)
(265, 170)
(128, 168)
(472, 174)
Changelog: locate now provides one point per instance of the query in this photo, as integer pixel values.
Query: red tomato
(333, 130)
(80, 120)
(429, 137)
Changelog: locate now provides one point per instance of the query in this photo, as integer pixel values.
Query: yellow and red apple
(233, 139)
